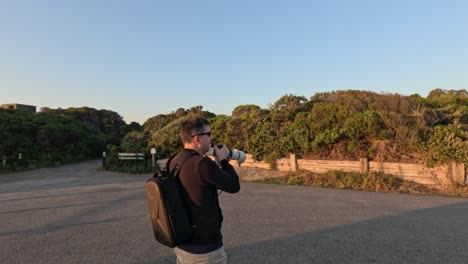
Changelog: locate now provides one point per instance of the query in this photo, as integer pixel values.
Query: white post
(153, 151)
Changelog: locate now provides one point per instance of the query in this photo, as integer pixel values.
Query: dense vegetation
(333, 125)
(57, 136)
(342, 125)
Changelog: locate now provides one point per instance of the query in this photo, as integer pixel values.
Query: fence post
(364, 165)
(19, 162)
(458, 172)
(293, 161)
(104, 160)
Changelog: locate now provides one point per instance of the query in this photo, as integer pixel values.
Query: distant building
(31, 108)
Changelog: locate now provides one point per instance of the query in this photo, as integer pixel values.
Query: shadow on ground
(436, 235)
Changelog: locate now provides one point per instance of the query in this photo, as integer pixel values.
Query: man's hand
(221, 152)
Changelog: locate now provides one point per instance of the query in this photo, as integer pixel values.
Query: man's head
(196, 134)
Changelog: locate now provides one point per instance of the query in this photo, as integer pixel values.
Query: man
(201, 178)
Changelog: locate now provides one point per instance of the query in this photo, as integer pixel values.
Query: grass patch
(373, 181)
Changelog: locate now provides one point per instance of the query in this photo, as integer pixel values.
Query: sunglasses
(202, 134)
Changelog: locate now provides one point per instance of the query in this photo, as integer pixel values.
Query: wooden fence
(413, 172)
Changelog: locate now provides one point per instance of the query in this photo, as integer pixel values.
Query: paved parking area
(78, 214)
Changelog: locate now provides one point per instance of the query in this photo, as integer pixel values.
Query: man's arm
(224, 178)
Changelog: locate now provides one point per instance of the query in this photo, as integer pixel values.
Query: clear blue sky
(143, 58)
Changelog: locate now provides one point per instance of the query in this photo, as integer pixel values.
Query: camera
(234, 154)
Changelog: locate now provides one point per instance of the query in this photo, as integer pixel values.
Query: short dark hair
(192, 126)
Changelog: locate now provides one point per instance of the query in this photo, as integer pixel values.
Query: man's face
(205, 139)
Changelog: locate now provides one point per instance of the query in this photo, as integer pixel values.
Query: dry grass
(377, 182)
(454, 190)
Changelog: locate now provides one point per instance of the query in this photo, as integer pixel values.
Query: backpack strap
(175, 171)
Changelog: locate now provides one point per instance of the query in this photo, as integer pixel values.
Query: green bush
(46, 139)
(447, 144)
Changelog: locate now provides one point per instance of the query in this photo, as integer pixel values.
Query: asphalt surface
(79, 214)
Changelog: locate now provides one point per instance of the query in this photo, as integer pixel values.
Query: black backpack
(169, 215)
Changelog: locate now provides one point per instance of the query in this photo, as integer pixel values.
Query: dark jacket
(201, 178)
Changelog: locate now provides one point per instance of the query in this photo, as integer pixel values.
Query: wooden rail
(413, 172)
